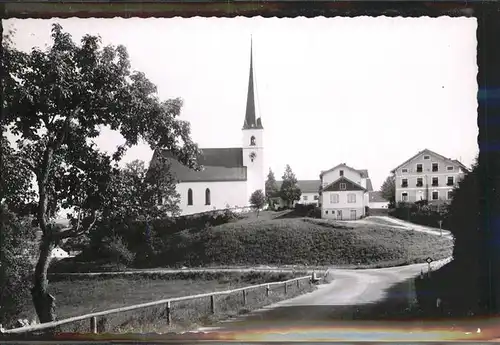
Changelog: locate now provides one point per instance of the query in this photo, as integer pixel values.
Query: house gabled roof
(431, 153)
(376, 197)
(369, 186)
(350, 186)
(306, 186)
(219, 164)
(362, 172)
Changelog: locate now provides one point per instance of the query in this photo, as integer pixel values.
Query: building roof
(376, 197)
(455, 161)
(369, 186)
(250, 121)
(350, 185)
(306, 186)
(362, 172)
(224, 164)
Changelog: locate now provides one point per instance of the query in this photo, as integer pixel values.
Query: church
(229, 175)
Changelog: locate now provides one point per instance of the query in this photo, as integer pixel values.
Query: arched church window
(252, 141)
(207, 196)
(190, 196)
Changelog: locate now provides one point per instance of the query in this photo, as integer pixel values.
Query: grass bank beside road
(303, 241)
(84, 295)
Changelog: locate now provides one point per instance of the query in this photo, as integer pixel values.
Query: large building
(229, 175)
(309, 190)
(427, 176)
(344, 192)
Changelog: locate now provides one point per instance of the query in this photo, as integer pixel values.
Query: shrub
(117, 251)
(17, 245)
(422, 214)
(302, 210)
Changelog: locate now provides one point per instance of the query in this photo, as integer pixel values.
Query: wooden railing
(93, 317)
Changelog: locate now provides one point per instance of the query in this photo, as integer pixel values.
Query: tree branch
(62, 134)
(76, 231)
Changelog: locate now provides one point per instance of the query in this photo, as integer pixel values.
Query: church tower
(253, 145)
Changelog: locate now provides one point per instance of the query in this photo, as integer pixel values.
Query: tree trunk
(43, 302)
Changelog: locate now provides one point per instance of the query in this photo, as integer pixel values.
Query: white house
(309, 189)
(377, 201)
(344, 192)
(229, 175)
(427, 176)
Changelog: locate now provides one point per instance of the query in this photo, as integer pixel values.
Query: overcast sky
(369, 92)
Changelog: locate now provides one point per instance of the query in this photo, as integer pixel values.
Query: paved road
(353, 295)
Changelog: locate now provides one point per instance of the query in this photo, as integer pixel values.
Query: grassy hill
(302, 241)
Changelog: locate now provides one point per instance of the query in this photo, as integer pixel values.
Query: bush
(422, 214)
(17, 245)
(302, 210)
(117, 251)
(146, 239)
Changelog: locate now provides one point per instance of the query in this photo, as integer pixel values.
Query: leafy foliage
(17, 246)
(257, 199)
(388, 189)
(465, 218)
(289, 191)
(271, 186)
(56, 102)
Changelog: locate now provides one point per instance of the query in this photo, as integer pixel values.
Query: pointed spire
(250, 121)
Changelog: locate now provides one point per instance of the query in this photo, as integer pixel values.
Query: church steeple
(250, 121)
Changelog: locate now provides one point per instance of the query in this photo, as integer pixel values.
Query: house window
(404, 196)
(426, 157)
(420, 195)
(343, 186)
(450, 181)
(316, 197)
(404, 171)
(305, 197)
(419, 168)
(450, 195)
(449, 168)
(252, 141)
(326, 212)
(341, 172)
(404, 183)
(420, 182)
(334, 198)
(435, 195)
(351, 198)
(435, 167)
(190, 196)
(435, 182)
(207, 196)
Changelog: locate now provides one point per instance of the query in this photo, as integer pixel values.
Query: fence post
(93, 325)
(169, 315)
(286, 288)
(212, 304)
(267, 290)
(244, 297)
(298, 283)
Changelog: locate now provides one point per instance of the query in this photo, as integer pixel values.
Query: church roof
(219, 164)
(250, 121)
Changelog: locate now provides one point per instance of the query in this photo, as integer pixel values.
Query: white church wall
(232, 193)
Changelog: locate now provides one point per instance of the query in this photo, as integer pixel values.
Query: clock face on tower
(252, 156)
